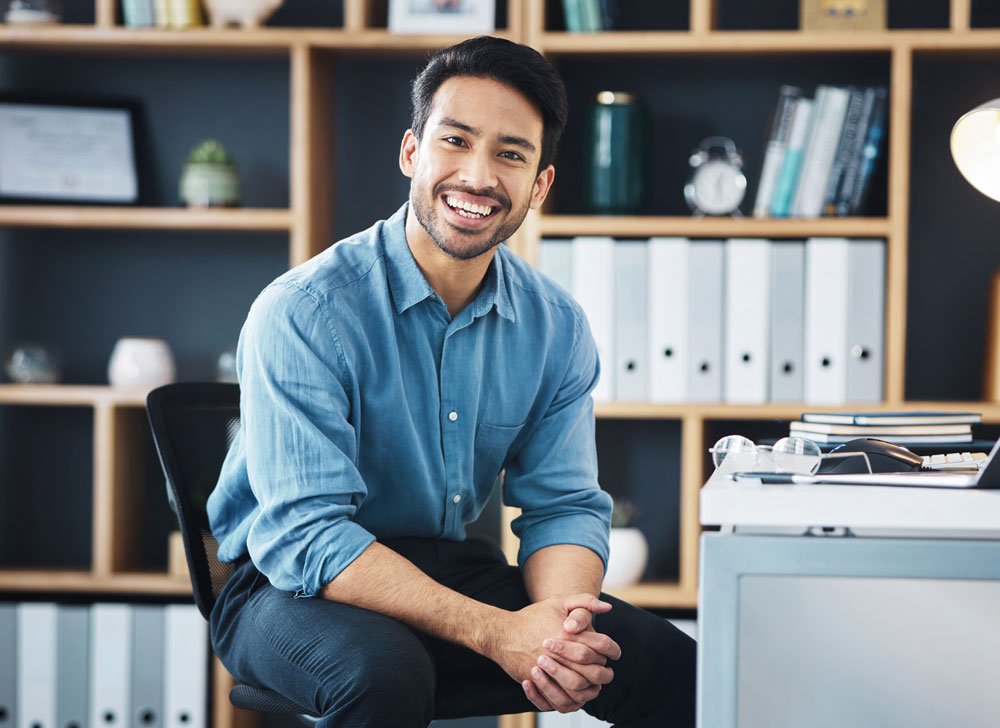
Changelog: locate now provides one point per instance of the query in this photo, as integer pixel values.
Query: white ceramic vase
(629, 552)
(141, 364)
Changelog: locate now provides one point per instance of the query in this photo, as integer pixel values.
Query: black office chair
(193, 425)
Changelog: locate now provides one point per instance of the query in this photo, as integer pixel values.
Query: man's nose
(477, 170)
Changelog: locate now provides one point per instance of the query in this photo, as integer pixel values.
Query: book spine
(845, 148)
(162, 12)
(573, 10)
(841, 201)
(609, 14)
(777, 143)
(869, 154)
(784, 187)
(591, 15)
(819, 158)
(185, 13)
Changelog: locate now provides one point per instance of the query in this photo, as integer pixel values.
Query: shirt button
(457, 499)
(453, 415)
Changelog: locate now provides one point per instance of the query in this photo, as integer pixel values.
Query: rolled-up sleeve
(553, 477)
(301, 448)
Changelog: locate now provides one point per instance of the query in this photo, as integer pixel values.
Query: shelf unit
(118, 418)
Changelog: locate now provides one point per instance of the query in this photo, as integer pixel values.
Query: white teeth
(462, 206)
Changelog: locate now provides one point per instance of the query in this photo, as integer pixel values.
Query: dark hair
(519, 66)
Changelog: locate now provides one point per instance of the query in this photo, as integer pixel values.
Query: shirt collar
(409, 287)
(406, 282)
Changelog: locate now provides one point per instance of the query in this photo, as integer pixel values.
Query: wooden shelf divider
(724, 227)
(146, 218)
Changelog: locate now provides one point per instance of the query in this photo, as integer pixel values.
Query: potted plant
(209, 178)
(629, 549)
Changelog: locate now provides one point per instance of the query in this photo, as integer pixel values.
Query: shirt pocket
(493, 443)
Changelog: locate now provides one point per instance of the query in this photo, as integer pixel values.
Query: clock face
(717, 187)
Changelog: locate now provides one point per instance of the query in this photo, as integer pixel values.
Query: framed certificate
(69, 152)
(467, 17)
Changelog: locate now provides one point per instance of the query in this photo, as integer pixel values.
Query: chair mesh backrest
(193, 426)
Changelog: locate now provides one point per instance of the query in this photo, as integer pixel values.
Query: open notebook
(986, 477)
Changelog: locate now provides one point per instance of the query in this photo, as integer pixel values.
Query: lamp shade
(975, 147)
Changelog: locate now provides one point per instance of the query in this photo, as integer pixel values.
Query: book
(895, 439)
(870, 153)
(788, 177)
(876, 430)
(162, 13)
(590, 11)
(610, 14)
(185, 14)
(777, 143)
(838, 204)
(845, 148)
(573, 10)
(138, 13)
(818, 160)
(893, 418)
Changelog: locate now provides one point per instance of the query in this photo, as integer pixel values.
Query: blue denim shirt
(369, 412)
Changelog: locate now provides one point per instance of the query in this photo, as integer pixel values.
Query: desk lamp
(975, 147)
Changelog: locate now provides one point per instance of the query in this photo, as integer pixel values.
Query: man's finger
(551, 691)
(534, 696)
(577, 621)
(575, 652)
(586, 601)
(569, 680)
(585, 648)
(598, 642)
(593, 674)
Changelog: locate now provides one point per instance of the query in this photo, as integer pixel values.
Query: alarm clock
(716, 185)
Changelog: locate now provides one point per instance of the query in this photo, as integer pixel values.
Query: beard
(444, 233)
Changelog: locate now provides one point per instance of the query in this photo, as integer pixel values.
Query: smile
(469, 210)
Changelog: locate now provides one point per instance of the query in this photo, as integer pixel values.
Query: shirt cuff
(322, 561)
(578, 529)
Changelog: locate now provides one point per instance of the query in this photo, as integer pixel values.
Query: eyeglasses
(799, 455)
(736, 453)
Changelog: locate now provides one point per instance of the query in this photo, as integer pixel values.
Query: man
(385, 385)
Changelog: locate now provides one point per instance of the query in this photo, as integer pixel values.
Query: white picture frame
(67, 152)
(442, 17)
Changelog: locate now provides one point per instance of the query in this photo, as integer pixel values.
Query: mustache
(490, 193)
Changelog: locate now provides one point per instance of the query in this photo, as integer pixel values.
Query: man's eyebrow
(503, 138)
(517, 142)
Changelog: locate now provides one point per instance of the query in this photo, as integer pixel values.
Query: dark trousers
(359, 668)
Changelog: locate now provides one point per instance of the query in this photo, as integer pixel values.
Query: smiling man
(386, 384)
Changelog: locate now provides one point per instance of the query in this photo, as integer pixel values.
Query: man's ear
(543, 183)
(408, 153)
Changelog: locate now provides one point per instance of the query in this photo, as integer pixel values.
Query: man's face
(474, 170)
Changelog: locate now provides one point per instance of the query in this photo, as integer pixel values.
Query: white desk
(938, 512)
(896, 623)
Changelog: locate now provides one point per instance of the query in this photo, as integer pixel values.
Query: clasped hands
(553, 650)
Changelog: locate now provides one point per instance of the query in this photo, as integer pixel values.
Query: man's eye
(512, 155)
(457, 141)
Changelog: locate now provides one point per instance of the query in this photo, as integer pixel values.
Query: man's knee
(391, 682)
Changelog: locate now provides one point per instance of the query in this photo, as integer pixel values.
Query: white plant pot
(629, 552)
(141, 364)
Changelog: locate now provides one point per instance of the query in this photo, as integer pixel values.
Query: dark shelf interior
(953, 247)
(80, 291)
(46, 502)
(639, 460)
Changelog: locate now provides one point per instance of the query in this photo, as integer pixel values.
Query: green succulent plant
(209, 151)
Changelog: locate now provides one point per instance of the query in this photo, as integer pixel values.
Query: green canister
(617, 154)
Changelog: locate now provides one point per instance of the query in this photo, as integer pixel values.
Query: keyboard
(955, 461)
